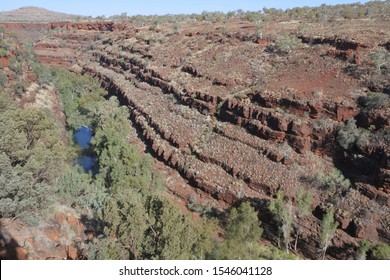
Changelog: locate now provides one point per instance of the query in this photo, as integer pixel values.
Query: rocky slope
(218, 105)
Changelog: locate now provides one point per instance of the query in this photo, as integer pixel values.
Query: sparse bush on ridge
(350, 135)
(335, 179)
(381, 58)
(286, 43)
(373, 9)
(334, 184)
(176, 27)
(373, 101)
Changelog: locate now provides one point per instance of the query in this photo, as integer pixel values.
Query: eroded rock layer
(241, 122)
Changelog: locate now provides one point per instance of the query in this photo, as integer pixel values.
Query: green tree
(80, 96)
(32, 140)
(125, 216)
(120, 164)
(304, 203)
(328, 230)
(32, 157)
(170, 235)
(3, 79)
(203, 243)
(6, 103)
(15, 189)
(106, 249)
(80, 190)
(242, 233)
(283, 214)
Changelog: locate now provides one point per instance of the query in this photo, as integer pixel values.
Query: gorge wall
(239, 121)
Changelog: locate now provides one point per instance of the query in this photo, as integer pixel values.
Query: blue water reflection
(86, 158)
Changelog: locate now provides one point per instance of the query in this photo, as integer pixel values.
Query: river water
(86, 158)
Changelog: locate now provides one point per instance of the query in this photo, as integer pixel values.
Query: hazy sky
(151, 7)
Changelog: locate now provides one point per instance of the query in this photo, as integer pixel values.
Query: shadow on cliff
(9, 247)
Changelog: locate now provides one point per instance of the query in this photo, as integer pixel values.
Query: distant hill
(35, 14)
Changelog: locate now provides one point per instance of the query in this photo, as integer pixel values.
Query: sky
(160, 7)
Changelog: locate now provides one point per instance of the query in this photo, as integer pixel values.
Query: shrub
(381, 58)
(287, 43)
(252, 16)
(334, 179)
(19, 88)
(201, 208)
(176, 27)
(12, 64)
(380, 251)
(373, 101)
(155, 24)
(44, 74)
(350, 135)
(3, 52)
(3, 79)
(364, 247)
(335, 184)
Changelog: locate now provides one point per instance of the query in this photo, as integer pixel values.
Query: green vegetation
(323, 13)
(155, 24)
(365, 246)
(126, 201)
(19, 87)
(3, 79)
(32, 156)
(241, 235)
(350, 136)
(12, 64)
(24, 59)
(334, 183)
(380, 251)
(125, 196)
(328, 230)
(3, 52)
(288, 220)
(79, 94)
(287, 43)
(304, 203)
(176, 27)
(283, 214)
(4, 43)
(374, 101)
(201, 208)
(381, 59)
